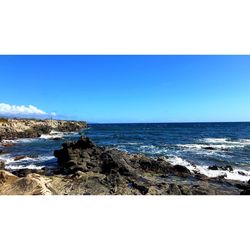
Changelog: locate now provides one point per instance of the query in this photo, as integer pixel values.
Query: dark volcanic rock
(209, 148)
(224, 168)
(3, 152)
(2, 165)
(101, 170)
(246, 192)
(25, 172)
(182, 169)
(108, 161)
(242, 173)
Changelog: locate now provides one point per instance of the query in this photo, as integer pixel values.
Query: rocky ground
(87, 169)
(28, 128)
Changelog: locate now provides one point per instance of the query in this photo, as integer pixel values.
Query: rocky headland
(30, 128)
(87, 169)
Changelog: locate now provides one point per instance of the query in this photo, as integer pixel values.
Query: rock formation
(87, 169)
(28, 128)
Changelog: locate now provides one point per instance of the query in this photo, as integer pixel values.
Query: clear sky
(128, 88)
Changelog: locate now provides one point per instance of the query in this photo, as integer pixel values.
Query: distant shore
(31, 128)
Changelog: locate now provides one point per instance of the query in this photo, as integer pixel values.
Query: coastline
(87, 169)
(32, 128)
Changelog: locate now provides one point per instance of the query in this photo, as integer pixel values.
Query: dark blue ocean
(196, 145)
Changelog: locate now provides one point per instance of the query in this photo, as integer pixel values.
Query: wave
(215, 140)
(176, 160)
(52, 135)
(26, 162)
(242, 142)
(215, 144)
(236, 174)
(129, 143)
(58, 135)
(17, 167)
(22, 140)
(209, 146)
(245, 141)
(154, 150)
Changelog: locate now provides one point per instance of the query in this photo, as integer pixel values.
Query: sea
(197, 146)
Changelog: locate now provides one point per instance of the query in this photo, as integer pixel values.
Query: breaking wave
(236, 174)
(26, 162)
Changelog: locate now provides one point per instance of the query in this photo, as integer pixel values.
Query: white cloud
(22, 110)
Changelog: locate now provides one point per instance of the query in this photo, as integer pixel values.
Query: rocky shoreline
(11, 129)
(87, 169)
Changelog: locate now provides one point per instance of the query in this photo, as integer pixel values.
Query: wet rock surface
(87, 169)
(223, 168)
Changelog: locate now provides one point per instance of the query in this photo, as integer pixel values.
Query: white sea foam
(215, 140)
(148, 146)
(245, 141)
(151, 149)
(36, 159)
(129, 143)
(226, 141)
(217, 144)
(176, 160)
(53, 135)
(205, 146)
(16, 167)
(6, 158)
(234, 175)
(22, 140)
(58, 135)
(31, 163)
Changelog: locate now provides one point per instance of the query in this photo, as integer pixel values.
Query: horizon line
(166, 122)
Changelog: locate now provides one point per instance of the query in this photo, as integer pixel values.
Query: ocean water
(195, 145)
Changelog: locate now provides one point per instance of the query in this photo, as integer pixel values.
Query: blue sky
(128, 88)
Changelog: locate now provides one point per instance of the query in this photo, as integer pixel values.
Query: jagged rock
(174, 189)
(246, 192)
(223, 168)
(2, 165)
(209, 148)
(85, 169)
(242, 173)
(182, 169)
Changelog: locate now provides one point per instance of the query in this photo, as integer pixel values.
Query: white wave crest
(17, 167)
(22, 140)
(52, 135)
(215, 140)
(11, 163)
(176, 160)
(245, 141)
(234, 175)
(226, 141)
(212, 146)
